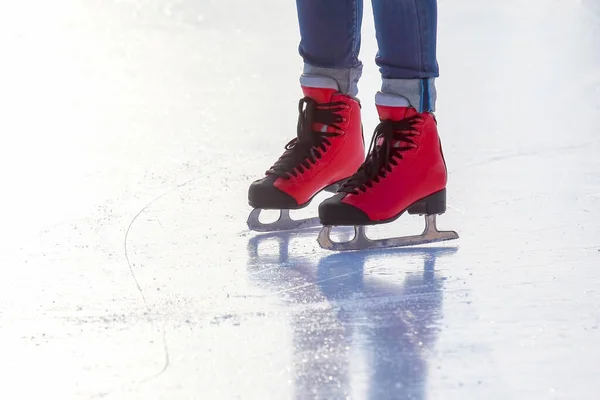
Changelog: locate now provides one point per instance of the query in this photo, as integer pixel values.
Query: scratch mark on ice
(137, 284)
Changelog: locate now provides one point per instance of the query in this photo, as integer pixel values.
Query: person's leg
(407, 36)
(330, 41)
(405, 170)
(329, 145)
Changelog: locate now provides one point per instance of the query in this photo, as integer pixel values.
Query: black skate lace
(303, 151)
(397, 137)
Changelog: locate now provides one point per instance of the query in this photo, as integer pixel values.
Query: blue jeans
(406, 32)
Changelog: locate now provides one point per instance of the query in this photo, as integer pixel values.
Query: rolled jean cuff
(421, 93)
(346, 78)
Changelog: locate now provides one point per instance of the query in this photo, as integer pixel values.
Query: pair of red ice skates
(403, 171)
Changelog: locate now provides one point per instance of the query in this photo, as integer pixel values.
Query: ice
(130, 133)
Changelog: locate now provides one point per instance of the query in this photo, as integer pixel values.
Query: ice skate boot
(404, 171)
(329, 148)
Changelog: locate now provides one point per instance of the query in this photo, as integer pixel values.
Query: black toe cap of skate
(262, 194)
(334, 212)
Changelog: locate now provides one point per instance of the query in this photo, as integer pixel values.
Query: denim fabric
(330, 40)
(406, 32)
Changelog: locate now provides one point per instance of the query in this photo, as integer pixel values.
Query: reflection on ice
(356, 334)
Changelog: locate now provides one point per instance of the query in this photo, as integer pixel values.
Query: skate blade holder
(361, 242)
(283, 223)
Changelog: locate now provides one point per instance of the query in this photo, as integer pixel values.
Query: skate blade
(283, 223)
(362, 242)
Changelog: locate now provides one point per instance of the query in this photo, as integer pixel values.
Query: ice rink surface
(130, 132)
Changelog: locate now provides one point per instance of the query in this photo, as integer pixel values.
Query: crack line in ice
(167, 358)
(131, 224)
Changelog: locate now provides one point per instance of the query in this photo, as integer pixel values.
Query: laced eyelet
(390, 139)
(303, 151)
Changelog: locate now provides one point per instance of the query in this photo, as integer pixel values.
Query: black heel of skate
(429, 206)
(334, 187)
(433, 204)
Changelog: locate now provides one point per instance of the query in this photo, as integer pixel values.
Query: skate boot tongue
(320, 95)
(395, 113)
(319, 88)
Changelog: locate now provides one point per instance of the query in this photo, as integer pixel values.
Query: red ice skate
(404, 171)
(329, 148)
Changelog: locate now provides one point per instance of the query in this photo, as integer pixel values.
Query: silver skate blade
(283, 223)
(362, 242)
